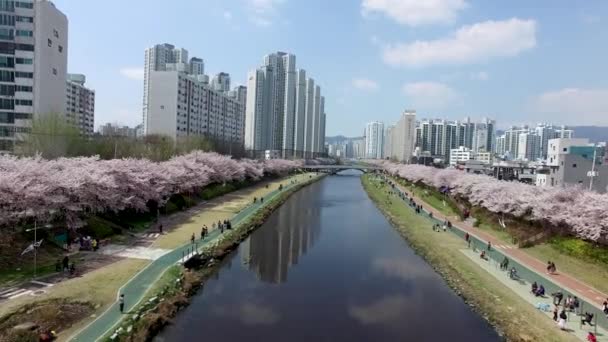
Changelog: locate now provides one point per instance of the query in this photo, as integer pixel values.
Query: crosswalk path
(505, 247)
(151, 235)
(14, 292)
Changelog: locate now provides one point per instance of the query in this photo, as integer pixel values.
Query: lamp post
(592, 174)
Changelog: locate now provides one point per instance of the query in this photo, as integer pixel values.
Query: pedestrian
(445, 227)
(591, 337)
(261, 199)
(121, 302)
(489, 246)
(449, 224)
(229, 224)
(160, 228)
(549, 267)
(504, 265)
(557, 297)
(605, 307)
(563, 317)
(576, 304)
(94, 245)
(534, 287)
(555, 313)
(65, 263)
(192, 238)
(202, 232)
(587, 319)
(553, 268)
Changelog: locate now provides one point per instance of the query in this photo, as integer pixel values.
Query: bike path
(529, 268)
(136, 288)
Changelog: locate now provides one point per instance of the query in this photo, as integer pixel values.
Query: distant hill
(593, 133)
(339, 139)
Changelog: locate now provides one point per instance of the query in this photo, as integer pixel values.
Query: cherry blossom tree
(583, 212)
(70, 188)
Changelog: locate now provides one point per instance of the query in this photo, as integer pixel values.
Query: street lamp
(592, 174)
(35, 244)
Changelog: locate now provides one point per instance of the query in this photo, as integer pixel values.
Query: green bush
(100, 228)
(170, 208)
(580, 249)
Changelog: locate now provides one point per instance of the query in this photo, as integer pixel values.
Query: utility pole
(35, 248)
(592, 174)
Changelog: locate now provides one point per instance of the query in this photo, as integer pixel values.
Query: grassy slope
(515, 318)
(592, 272)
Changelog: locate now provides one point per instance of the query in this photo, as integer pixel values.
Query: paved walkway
(136, 288)
(527, 266)
(522, 288)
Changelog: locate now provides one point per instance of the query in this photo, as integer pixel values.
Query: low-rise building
(574, 162)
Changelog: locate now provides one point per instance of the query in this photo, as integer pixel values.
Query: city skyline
(515, 86)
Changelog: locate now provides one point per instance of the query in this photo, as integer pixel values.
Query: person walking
(121, 302)
(65, 263)
(489, 246)
(192, 238)
(563, 317)
(605, 307)
(202, 232)
(160, 228)
(467, 238)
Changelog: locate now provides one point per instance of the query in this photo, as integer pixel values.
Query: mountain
(593, 133)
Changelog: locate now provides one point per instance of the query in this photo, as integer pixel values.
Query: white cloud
(479, 76)
(415, 12)
(573, 106)
(469, 44)
(262, 12)
(133, 73)
(431, 95)
(365, 84)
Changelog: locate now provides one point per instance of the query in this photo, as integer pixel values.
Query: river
(327, 266)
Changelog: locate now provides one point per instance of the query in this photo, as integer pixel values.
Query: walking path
(136, 288)
(528, 267)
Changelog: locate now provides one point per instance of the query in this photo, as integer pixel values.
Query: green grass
(518, 320)
(586, 264)
(432, 197)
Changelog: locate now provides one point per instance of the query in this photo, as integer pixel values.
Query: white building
(33, 58)
(165, 57)
(460, 155)
(404, 137)
(80, 104)
(374, 140)
(528, 146)
(285, 109)
(179, 101)
(181, 105)
(114, 130)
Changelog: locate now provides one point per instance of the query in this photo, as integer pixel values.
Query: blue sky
(517, 61)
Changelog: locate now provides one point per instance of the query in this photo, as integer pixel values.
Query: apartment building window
(7, 104)
(50, 42)
(7, 90)
(24, 74)
(574, 165)
(7, 117)
(21, 4)
(24, 33)
(23, 116)
(7, 19)
(25, 19)
(7, 76)
(23, 102)
(55, 33)
(6, 33)
(27, 61)
(7, 62)
(60, 48)
(54, 71)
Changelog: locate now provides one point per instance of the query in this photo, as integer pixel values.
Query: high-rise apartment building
(285, 109)
(221, 82)
(404, 137)
(179, 102)
(508, 145)
(80, 104)
(33, 62)
(388, 141)
(374, 140)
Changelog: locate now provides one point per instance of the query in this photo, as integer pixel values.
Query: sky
(516, 61)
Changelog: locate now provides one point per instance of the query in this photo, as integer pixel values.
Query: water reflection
(289, 234)
(357, 281)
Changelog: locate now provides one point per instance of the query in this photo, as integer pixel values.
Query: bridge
(338, 168)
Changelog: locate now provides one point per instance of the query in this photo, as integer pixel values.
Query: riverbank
(512, 317)
(179, 284)
(98, 288)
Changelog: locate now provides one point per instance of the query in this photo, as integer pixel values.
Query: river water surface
(327, 266)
